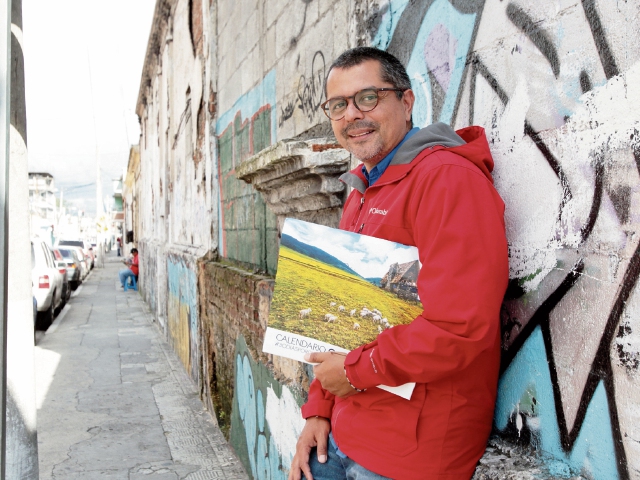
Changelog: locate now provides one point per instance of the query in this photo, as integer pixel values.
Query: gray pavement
(113, 399)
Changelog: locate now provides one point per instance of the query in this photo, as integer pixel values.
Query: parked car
(84, 263)
(66, 286)
(72, 261)
(47, 282)
(87, 249)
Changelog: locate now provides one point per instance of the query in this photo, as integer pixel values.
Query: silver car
(47, 282)
(74, 268)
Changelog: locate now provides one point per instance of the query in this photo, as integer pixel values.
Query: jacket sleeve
(320, 402)
(456, 217)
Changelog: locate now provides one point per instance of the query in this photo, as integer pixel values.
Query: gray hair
(391, 70)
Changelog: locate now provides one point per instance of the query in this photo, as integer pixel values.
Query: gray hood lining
(436, 134)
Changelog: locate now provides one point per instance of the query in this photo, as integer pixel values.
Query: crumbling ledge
(299, 179)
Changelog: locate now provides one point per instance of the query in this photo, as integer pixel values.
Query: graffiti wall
(247, 228)
(266, 420)
(555, 85)
(182, 313)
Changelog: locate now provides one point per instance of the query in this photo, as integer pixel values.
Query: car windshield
(72, 243)
(66, 253)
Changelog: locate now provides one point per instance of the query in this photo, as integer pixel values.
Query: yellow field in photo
(303, 282)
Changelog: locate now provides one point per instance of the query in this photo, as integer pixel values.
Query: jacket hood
(470, 143)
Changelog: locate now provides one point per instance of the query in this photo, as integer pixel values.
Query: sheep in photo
(304, 313)
(332, 304)
(356, 326)
(377, 312)
(352, 313)
(341, 308)
(379, 329)
(376, 318)
(330, 318)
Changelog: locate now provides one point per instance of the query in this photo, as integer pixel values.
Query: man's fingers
(316, 357)
(321, 448)
(307, 472)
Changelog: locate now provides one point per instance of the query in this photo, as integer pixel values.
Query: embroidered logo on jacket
(376, 211)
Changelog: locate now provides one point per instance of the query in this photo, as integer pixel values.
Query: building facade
(233, 142)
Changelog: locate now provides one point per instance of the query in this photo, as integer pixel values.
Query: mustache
(359, 125)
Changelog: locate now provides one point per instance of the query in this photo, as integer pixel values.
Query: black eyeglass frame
(353, 98)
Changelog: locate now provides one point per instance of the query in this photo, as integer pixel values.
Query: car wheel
(45, 319)
(63, 300)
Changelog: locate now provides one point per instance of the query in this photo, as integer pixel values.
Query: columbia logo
(375, 211)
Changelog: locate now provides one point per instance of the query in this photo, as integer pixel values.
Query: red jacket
(134, 265)
(442, 200)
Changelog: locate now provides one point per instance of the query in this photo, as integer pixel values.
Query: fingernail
(322, 458)
(307, 357)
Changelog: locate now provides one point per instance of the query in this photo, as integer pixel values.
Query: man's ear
(408, 99)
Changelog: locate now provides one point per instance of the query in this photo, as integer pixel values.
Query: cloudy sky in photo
(368, 256)
(83, 63)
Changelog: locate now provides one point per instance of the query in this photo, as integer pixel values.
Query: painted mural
(248, 231)
(557, 87)
(182, 314)
(266, 419)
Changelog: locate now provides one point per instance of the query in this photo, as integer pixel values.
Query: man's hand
(330, 373)
(314, 434)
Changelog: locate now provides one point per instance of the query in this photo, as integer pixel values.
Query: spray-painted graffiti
(247, 231)
(560, 115)
(266, 419)
(182, 313)
(310, 91)
(148, 270)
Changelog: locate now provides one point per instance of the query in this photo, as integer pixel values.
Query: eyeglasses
(364, 100)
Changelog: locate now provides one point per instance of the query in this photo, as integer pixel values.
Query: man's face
(369, 136)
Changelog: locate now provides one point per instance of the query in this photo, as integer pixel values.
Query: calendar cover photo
(336, 290)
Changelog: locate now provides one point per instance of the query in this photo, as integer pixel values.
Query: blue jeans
(338, 466)
(124, 275)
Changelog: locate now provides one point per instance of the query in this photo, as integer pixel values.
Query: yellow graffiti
(178, 320)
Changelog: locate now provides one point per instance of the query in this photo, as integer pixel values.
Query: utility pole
(21, 438)
(5, 55)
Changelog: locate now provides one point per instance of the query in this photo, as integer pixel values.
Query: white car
(47, 282)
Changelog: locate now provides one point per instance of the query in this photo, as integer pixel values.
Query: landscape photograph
(342, 288)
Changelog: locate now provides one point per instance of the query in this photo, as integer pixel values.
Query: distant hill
(316, 253)
(375, 281)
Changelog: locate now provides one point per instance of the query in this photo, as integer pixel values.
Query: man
(132, 271)
(431, 188)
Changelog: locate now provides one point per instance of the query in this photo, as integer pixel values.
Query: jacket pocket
(390, 422)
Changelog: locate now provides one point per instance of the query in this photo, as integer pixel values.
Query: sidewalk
(113, 399)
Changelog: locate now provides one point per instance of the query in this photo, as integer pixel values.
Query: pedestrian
(119, 242)
(132, 270)
(430, 188)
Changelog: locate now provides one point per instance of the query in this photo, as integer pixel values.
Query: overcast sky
(83, 62)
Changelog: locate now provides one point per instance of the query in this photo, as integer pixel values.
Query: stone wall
(228, 106)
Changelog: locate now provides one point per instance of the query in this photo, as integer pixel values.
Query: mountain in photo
(315, 253)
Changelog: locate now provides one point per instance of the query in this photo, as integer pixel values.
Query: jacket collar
(436, 134)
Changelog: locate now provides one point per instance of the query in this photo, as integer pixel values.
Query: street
(114, 401)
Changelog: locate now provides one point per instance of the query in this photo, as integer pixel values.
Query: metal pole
(5, 55)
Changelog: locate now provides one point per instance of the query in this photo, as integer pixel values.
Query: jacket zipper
(357, 216)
